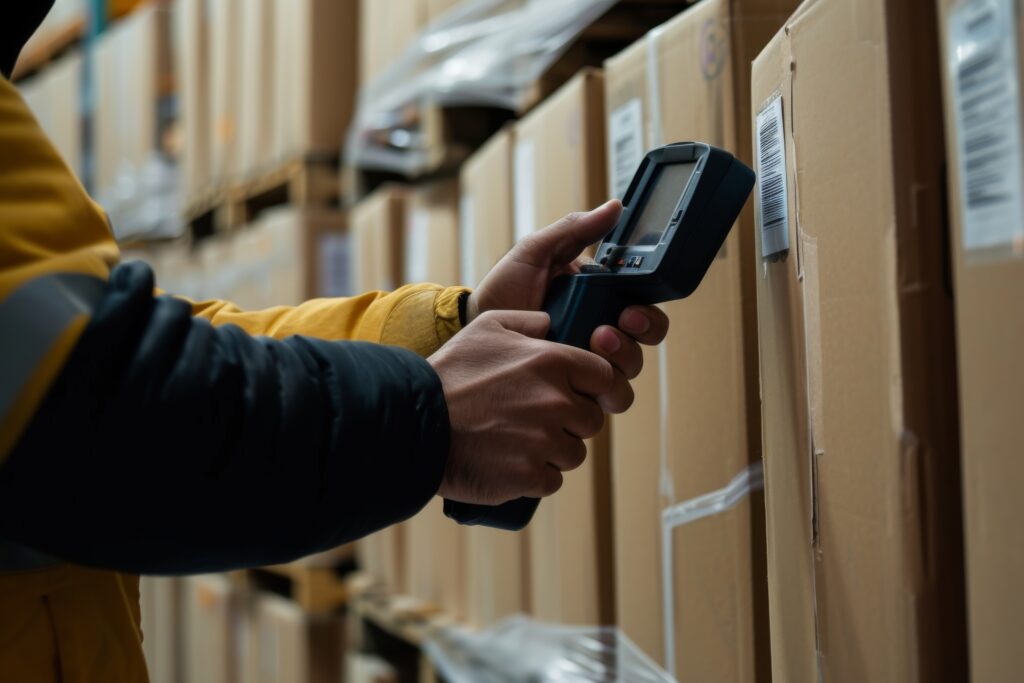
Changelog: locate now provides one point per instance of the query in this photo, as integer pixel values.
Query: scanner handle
(577, 305)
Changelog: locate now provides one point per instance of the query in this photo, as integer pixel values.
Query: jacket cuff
(447, 317)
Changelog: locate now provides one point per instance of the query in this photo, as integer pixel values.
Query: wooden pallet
(317, 588)
(298, 182)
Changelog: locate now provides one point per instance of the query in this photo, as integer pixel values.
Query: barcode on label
(984, 73)
(772, 194)
(626, 146)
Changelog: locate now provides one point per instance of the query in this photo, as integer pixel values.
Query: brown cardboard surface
(709, 419)
(131, 60)
(225, 89)
(286, 644)
(990, 325)
(431, 244)
(485, 211)
(162, 629)
(315, 78)
(857, 355)
(435, 545)
(258, 76)
(211, 612)
(195, 106)
(387, 29)
(570, 549)
(378, 232)
(54, 98)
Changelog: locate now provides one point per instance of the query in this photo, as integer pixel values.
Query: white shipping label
(467, 240)
(985, 78)
(417, 248)
(524, 191)
(625, 144)
(772, 191)
(334, 255)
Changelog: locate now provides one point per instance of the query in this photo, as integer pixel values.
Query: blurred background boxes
(269, 151)
(486, 217)
(559, 167)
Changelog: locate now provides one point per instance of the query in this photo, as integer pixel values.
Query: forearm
(420, 318)
(168, 445)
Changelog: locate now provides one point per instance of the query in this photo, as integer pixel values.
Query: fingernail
(635, 321)
(608, 341)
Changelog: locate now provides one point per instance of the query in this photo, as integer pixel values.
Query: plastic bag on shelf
(480, 53)
(520, 650)
(143, 202)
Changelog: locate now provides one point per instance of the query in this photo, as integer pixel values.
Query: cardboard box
(386, 29)
(287, 644)
(212, 647)
(559, 167)
(496, 574)
(857, 353)
(132, 67)
(225, 89)
(54, 96)
(378, 234)
(310, 254)
(382, 556)
(486, 219)
(161, 604)
(195, 106)
(435, 545)
(696, 421)
(315, 76)
(988, 260)
(431, 243)
(259, 90)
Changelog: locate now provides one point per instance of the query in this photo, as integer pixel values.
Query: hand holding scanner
(677, 212)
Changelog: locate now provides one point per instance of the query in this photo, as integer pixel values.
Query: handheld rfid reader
(677, 212)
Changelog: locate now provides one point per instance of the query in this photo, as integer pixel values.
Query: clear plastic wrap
(481, 53)
(520, 650)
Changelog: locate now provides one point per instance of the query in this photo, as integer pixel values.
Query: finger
(533, 324)
(588, 373)
(584, 419)
(563, 241)
(619, 398)
(546, 481)
(620, 349)
(568, 453)
(647, 324)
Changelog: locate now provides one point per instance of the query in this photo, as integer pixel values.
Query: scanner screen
(669, 186)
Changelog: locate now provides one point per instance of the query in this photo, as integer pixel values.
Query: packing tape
(749, 480)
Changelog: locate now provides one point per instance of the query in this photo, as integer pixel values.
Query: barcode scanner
(677, 212)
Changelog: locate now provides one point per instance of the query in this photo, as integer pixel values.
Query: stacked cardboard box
(378, 230)
(282, 87)
(284, 643)
(54, 96)
(161, 605)
(212, 647)
(486, 219)
(435, 546)
(387, 28)
(982, 65)
(133, 69)
(559, 167)
(856, 348)
(496, 570)
(699, 604)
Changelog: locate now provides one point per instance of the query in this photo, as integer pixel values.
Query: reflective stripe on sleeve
(32, 318)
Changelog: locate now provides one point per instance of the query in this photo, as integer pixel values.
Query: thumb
(529, 323)
(563, 241)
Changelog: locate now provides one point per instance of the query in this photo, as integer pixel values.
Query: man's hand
(521, 279)
(520, 407)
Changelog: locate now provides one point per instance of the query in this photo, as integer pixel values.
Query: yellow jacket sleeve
(417, 317)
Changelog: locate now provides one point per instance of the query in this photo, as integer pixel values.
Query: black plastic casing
(578, 304)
